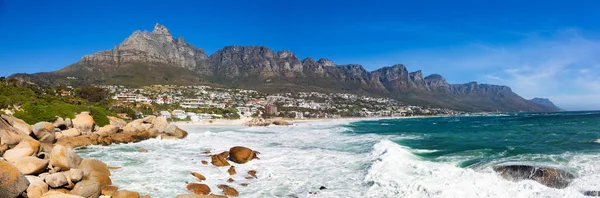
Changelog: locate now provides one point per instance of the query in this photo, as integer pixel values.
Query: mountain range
(147, 58)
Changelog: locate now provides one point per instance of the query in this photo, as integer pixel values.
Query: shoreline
(240, 122)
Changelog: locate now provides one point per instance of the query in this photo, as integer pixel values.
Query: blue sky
(538, 48)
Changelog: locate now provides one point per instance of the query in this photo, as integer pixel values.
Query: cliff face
(545, 102)
(156, 58)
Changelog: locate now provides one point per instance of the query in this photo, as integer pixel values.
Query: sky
(547, 48)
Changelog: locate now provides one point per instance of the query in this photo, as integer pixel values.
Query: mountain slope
(545, 102)
(146, 58)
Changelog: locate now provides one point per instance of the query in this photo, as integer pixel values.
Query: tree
(92, 94)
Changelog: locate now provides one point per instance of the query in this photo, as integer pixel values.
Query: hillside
(146, 58)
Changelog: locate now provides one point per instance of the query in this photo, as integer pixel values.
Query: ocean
(413, 157)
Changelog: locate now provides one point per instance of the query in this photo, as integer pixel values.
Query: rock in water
(95, 170)
(220, 159)
(550, 177)
(231, 170)
(64, 158)
(241, 155)
(199, 189)
(173, 130)
(12, 182)
(229, 191)
(199, 176)
(125, 194)
(109, 190)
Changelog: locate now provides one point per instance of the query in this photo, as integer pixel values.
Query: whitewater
(295, 161)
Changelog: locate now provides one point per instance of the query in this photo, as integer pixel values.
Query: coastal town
(194, 103)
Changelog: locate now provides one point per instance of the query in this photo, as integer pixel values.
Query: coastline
(240, 122)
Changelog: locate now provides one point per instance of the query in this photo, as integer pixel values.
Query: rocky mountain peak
(326, 62)
(161, 29)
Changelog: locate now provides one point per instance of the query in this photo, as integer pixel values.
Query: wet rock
(37, 187)
(30, 165)
(220, 159)
(204, 162)
(27, 147)
(87, 189)
(142, 150)
(44, 132)
(592, 193)
(322, 188)
(229, 191)
(200, 196)
(125, 194)
(121, 138)
(252, 173)
(173, 130)
(550, 177)
(281, 122)
(56, 180)
(199, 189)
(230, 180)
(12, 182)
(84, 122)
(199, 176)
(64, 158)
(244, 184)
(241, 155)
(231, 170)
(249, 178)
(95, 170)
(109, 190)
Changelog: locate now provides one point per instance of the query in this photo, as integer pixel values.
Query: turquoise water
(479, 140)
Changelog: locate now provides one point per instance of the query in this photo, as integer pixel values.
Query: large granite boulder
(12, 182)
(87, 189)
(72, 132)
(220, 159)
(44, 132)
(64, 158)
(550, 177)
(125, 194)
(56, 180)
(17, 123)
(10, 135)
(120, 123)
(60, 123)
(241, 155)
(229, 191)
(57, 194)
(27, 147)
(122, 138)
(161, 124)
(107, 130)
(134, 127)
(199, 189)
(74, 142)
(37, 187)
(29, 165)
(173, 130)
(95, 170)
(84, 122)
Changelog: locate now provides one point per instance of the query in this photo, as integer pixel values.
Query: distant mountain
(545, 102)
(146, 58)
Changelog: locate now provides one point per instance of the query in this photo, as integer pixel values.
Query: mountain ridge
(156, 58)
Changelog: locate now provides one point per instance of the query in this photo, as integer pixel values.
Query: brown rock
(107, 130)
(87, 189)
(10, 135)
(322, 188)
(27, 147)
(229, 191)
(231, 170)
(56, 180)
(119, 123)
(145, 196)
(142, 135)
(3, 148)
(199, 189)
(200, 196)
(74, 142)
(109, 190)
(204, 162)
(173, 130)
(133, 127)
(230, 180)
(60, 123)
(125, 194)
(244, 184)
(153, 132)
(74, 175)
(121, 138)
(161, 124)
(149, 119)
(46, 148)
(44, 132)
(143, 150)
(29, 165)
(249, 178)
(167, 137)
(114, 167)
(12, 182)
(219, 160)
(252, 173)
(37, 187)
(241, 155)
(72, 132)
(84, 122)
(64, 158)
(57, 194)
(22, 126)
(95, 170)
(199, 176)
(281, 122)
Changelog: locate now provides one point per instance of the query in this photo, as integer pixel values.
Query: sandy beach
(240, 122)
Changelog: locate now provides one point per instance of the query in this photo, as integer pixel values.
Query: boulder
(20, 125)
(109, 190)
(10, 135)
(37, 187)
(167, 137)
(241, 155)
(60, 123)
(204, 162)
(230, 180)
(143, 150)
(161, 124)
(173, 130)
(199, 189)
(69, 123)
(133, 127)
(84, 122)
(64, 158)
(200, 196)
(220, 159)
(231, 170)
(3, 148)
(199, 176)
(56, 194)
(72, 132)
(229, 191)
(119, 123)
(75, 175)
(153, 132)
(107, 130)
(95, 170)
(45, 148)
(149, 119)
(27, 147)
(29, 165)
(146, 127)
(142, 135)
(87, 189)
(252, 173)
(12, 182)
(44, 132)
(125, 194)
(74, 142)
(121, 138)
(105, 141)
(550, 177)
(281, 122)
(56, 180)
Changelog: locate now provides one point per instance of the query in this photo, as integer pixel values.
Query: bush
(100, 116)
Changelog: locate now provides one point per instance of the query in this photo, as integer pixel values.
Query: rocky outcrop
(30, 165)
(37, 187)
(64, 158)
(550, 177)
(27, 147)
(545, 102)
(44, 132)
(12, 182)
(84, 122)
(241, 155)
